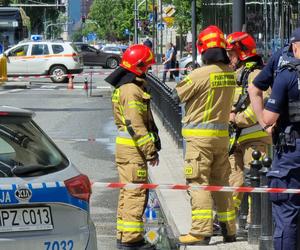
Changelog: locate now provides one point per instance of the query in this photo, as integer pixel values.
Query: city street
(74, 121)
(201, 70)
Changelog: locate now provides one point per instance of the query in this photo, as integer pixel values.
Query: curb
(19, 85)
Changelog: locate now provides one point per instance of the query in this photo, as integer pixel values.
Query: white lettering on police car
(5, 197)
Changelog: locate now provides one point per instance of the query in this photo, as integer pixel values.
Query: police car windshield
(24, 145)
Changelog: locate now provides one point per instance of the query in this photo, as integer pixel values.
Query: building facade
(270, 22)
(76, 11)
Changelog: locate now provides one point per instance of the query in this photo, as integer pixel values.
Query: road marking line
(48, 87)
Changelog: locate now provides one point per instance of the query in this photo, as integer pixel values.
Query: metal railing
(167, 109)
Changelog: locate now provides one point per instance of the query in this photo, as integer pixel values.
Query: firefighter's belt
(252, 132)
(205, 129)
(124, 138)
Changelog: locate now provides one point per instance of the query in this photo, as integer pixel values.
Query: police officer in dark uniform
(264, 80)
(282, 118)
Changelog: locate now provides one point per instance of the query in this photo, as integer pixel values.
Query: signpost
(91, 37)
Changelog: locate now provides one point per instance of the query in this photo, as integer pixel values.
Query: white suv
(54, 58)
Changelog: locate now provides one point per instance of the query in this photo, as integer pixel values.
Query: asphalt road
(74, 121)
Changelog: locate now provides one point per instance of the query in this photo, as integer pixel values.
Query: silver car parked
(44, 199)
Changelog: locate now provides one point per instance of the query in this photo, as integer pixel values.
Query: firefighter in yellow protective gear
(249, 135)
(208, 93)
(137, 142)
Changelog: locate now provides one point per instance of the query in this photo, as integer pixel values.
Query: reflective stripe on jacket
(253, 132)
(125, 138)
(205, 129)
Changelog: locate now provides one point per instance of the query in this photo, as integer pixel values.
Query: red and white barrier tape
(49, 76)
(83, 74)
(192, 187)
(172, 69)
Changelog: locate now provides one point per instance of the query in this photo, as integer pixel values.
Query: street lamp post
(135, 22)
(194, 24)
(54, 24)
(136, 19)
(161, 32)
(238, 15)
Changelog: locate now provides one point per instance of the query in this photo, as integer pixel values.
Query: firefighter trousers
(132, 202)
(240, 163)
(209, 166)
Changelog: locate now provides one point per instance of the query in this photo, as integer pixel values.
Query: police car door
(39, 57)
(17, 60)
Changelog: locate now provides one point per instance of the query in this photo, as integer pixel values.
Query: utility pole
(161, 31)
(135, 22)
(238, 15)
(153, 25)
(194, 25)
(67, 21)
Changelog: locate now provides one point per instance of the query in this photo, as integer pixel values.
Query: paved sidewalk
(176, 203)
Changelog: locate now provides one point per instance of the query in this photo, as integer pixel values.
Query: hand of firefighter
(269, 129)
(155, 161)
(232, 117)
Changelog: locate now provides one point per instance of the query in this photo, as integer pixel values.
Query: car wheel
(58, 74)
(112, 63)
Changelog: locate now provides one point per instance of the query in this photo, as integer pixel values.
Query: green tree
(112, 17)
(183, 16)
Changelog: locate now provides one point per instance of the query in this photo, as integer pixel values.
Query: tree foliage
(114, 16)
(183, 16)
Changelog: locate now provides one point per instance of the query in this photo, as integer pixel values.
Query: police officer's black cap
(295, 36)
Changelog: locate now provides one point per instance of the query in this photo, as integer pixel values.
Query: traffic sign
(169, 10)
(160, 26)
(126, 32)
(169, 21)
(91, 37)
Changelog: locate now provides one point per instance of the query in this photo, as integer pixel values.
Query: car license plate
(25, 219)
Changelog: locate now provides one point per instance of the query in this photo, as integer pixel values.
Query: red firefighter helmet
(137, 59)
(242, 43)
(211, 37)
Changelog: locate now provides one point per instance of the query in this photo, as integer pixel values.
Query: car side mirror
(98, 51)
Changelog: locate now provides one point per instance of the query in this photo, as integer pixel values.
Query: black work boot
(119, 243)
(226, 238)
(229, 238)
(140, 245)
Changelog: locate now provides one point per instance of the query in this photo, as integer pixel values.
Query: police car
(44, 199)
(34, 58)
